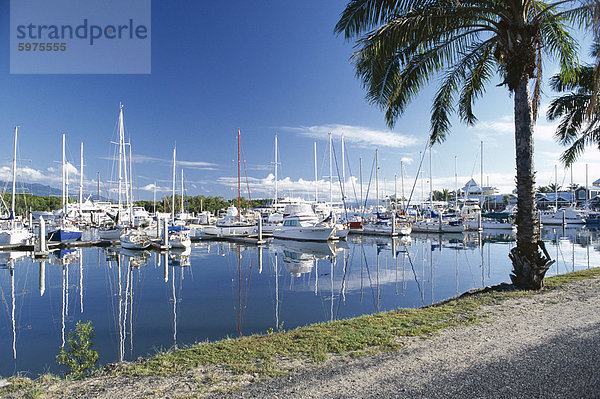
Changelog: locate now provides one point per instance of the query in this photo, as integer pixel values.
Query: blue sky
(266, 67)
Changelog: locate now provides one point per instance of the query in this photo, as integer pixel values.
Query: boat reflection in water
(299, 257)
(135, 257)
(7, 261)
(180, 257)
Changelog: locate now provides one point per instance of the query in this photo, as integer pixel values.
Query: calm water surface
(142, 301)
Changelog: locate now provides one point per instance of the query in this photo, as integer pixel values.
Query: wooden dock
(60, 245)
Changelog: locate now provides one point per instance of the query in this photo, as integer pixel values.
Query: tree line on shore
(193, 204)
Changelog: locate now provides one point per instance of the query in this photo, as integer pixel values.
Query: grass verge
(355, 337)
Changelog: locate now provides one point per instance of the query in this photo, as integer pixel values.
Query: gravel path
(544, 346)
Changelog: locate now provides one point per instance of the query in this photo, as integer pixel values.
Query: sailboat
(431, 225)
(485, 221)
(14, 233)
(384, 226)
(179, 235)
(67, 231)
(116, 228)
(233, 224)
(135, 239)
(555, 216)
(132, 237)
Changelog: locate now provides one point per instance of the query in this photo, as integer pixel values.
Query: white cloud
(139, 158)
(152, 186)
(489, 131)
(358, 135)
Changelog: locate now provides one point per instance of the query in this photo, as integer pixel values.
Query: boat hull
(14, 237)
(111, 234)
(221, 231)
(304, 233)
(386, 230)
(433, 227)
(64, 235)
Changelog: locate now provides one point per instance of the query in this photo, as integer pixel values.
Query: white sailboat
(440, 225)
(384, 227)
(121, 217)
(555, 216)
(179, 236)
(135, 239)
(67, 231)
(233, 224)
(14, 233)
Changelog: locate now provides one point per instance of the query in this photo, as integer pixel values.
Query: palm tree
(553, 188)
(578, 128)
(404, 44)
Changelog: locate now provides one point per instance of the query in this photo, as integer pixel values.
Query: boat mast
(181, 191)
(130, 188)
(239, 180)
(481, 171)
(121, 140)
(81, 178)
(430, 183)
(377, 181)
(402, 182)
(455, 187)
(154, 200)
(316, 181)
(173, 202)
(395, 193)
(63, 178)
(572, 192)
(126, 178)
(361, 186)
(586, 186)
(14, 174)
(276, 193)
(66, 188)
(330, 174)
(555, 188)
(343, 170)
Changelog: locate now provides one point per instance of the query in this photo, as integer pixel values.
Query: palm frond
(481, 72)
(590, 137)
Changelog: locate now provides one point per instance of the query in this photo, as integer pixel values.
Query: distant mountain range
(41, 190)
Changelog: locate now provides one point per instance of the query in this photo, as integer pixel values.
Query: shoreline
(229, 365)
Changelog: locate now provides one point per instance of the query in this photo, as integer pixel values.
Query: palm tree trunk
(529, 265)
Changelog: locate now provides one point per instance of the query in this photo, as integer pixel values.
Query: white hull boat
(341, 231)
(436, 227)
(180, 240)
(110, 234)
(473, 225)
(221, 231)
(566, 216)
(14, 236)
(135, 239)
(304, 233)
(384, 228)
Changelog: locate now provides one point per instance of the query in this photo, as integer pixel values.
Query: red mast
(239, 180)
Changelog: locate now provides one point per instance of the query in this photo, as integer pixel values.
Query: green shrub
(79, 357)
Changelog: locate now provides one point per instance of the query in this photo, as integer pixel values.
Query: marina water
(141, 302)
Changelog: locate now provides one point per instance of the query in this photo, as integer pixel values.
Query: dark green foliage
(26, 202)
(79, 357)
